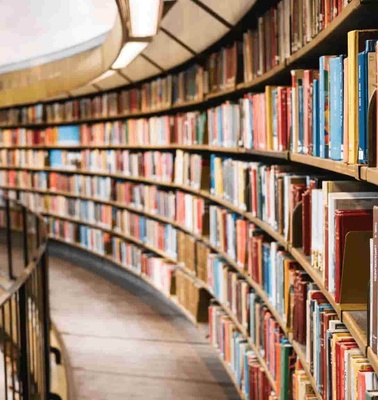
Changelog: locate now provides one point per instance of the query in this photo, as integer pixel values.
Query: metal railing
(24, 304)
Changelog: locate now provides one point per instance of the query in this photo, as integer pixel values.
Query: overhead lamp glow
(129, 51)
(144, 17)
(103, 76)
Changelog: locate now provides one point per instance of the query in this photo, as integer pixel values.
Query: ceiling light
(103, 76)
(129, 51)
(144, 17)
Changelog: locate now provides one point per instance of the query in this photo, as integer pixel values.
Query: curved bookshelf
(351, 16)
(173, 299)
(356, 171)
(353, 325)
(259, 291)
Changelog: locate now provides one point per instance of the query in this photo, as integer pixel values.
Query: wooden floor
(129, 342)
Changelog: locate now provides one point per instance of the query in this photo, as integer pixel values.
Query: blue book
(142, 224)
(56, 158)
(362, 110)
(363, 101)
(246, 376)
(69, 135)
(301, 121)
(317, 312)
(336, 105)
(324, 106)
(212, 172)
(315, 119)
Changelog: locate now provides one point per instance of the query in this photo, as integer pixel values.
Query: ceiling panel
(230, 10)
(193, 26)
(89, 89)
(166, 52)
(140, 69)
(112, 81)
(58, 97)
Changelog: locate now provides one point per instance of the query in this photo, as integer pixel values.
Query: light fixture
(129, 51)
(144, 16)
(103, 76)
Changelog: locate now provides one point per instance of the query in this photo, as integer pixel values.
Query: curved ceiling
(188, 27)
(38, 31)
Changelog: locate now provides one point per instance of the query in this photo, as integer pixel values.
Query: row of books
(188, 210)
(313, 116)
(339, 367)
(310, 290)
(282, 31)
(291, 381)
(182, 129)
(273, 194)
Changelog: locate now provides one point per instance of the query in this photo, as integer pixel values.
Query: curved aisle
(126, 341)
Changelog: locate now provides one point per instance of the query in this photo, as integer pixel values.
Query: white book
(348, 382)
(314, 227)
(344, 201)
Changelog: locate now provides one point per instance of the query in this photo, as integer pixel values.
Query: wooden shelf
(325, 163)
(356, 171)
(301, 353)
(373, 359)
(357, 324)
(121, 235)
(315, 276)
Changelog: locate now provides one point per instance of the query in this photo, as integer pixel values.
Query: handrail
(24, 304)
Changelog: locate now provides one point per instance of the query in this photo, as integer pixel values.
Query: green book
(371, 395)
(286, 351)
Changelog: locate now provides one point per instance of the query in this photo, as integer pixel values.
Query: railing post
(25, 235)
(24, 343)
(9, 238)
(37, 231)
(46, 319)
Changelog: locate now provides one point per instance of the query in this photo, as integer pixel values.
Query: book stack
(224, 68)
(192, 213)
(191, 170)
(159, 272)
(188, 85)
(190, 128)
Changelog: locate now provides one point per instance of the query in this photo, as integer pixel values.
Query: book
(356, 44)
(336, 98)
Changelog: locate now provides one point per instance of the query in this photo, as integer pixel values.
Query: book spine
(362, 112)
(353, 96)
(316, 119)
(374, 278)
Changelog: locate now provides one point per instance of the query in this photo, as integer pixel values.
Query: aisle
(130, 344)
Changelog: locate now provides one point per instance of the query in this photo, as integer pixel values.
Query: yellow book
(269, 116)
(218, 177)
(356, 44)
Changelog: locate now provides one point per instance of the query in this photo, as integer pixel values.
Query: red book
(282, 118)
(343, 348)
(347, 221)
(362, 387)
(306, 222)
(288, 118)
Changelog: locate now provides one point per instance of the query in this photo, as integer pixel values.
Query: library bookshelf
(355, 15)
